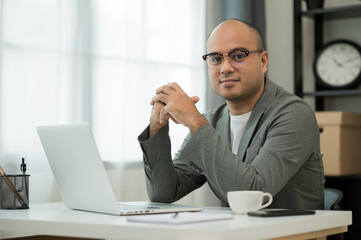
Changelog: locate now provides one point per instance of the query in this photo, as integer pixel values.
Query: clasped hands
(171, 102)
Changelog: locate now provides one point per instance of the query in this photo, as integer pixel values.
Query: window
(95, 61)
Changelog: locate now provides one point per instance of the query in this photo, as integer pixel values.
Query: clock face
(338, 65)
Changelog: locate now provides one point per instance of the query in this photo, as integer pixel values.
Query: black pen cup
(14, 191)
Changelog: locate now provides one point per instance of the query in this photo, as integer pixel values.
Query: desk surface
(56, 219)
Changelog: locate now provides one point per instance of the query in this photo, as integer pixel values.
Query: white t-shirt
(238, 125)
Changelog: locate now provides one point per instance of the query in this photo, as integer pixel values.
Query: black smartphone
(280, 213)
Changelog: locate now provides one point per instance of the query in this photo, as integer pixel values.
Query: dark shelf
(335, 12)
(349, 185)
(334, 93)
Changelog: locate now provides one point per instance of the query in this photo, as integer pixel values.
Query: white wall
(279, 40)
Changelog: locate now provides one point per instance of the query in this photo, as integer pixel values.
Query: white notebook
(180, 218)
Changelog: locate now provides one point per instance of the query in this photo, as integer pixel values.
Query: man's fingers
(164, 115)
(195, 99)
(174, 86)
(167, 89)
(157, 106)
(161, 97)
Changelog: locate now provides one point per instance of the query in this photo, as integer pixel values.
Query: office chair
(332, 197)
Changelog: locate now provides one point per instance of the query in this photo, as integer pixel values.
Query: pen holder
(14, 191)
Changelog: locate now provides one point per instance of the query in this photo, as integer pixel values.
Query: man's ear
(264, 61)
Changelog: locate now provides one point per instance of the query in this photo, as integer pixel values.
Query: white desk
(55, 219)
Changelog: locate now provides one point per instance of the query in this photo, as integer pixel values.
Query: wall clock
(337, 65)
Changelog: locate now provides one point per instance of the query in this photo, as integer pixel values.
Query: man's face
(242, 83)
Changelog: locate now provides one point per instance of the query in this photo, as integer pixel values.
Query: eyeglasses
(215, 60)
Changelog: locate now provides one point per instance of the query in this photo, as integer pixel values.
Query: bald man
(262, 138)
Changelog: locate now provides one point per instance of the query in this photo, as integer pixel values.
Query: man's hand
(155, 121)
(172, 102)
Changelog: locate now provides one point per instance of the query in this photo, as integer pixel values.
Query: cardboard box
(340, 134)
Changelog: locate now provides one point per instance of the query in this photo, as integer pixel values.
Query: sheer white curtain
(139, 46)
(99, 61)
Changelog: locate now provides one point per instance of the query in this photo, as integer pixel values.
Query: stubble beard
(243, 96)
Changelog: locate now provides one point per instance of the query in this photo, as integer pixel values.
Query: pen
(23, 169)
(23, 166)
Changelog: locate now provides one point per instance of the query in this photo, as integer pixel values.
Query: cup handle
(270, 199)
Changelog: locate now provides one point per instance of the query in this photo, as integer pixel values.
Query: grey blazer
(279, 153)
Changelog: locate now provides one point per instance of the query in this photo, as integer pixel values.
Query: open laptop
(81, 177)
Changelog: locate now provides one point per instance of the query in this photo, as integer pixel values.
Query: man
(262, 138)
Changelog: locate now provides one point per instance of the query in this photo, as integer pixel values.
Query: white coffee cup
(247, 201)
